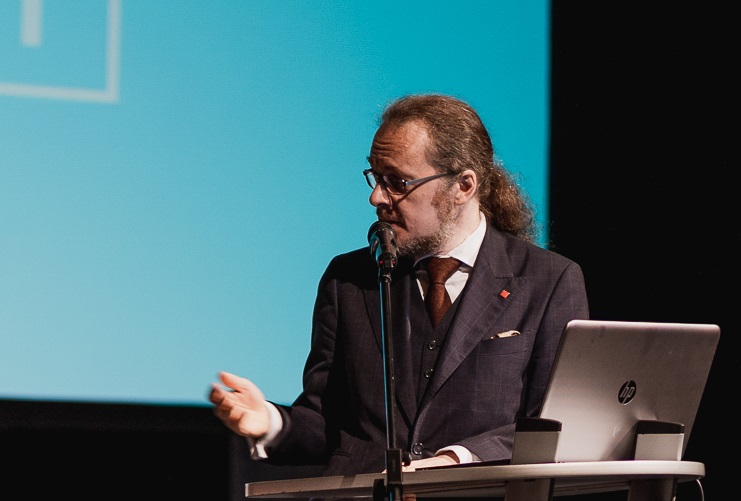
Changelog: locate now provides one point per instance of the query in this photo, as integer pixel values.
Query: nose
(379, 196)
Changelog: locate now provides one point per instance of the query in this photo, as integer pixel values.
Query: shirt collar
(468, 250)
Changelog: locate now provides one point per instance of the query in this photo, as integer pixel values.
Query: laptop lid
(608, 375)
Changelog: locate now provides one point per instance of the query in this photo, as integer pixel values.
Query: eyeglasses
(395, 185)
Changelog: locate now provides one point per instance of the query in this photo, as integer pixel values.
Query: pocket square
(505, 334)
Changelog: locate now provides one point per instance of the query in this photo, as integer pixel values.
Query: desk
(489, 481)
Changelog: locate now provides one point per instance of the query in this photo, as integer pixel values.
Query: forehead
(399, 144)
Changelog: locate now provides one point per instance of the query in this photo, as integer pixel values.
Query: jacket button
(417, 449)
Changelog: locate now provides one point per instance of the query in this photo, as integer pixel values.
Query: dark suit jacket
(481, 384)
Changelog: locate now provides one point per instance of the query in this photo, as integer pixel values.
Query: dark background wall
(641, 198)
(642, 110)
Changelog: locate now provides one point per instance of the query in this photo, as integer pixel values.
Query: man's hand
(243, 408)
(445, 459)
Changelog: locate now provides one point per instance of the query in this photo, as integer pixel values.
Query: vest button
(432, 345)
(428, 373)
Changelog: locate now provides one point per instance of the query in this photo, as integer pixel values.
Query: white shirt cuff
(275, 424)
(464, 455)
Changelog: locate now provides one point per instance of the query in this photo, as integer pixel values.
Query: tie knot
(439, 269)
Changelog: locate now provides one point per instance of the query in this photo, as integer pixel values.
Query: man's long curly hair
(459, 141)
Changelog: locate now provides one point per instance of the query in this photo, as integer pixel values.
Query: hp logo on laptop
(627, 392)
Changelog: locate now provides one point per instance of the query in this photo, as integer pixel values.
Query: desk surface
(482, 480)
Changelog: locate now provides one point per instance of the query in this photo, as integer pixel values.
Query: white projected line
(31, 23)
(31, 20)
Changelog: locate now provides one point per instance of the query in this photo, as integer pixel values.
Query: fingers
(240, 404)
(240, 384)
(227, 407)
(216, 394)
(224, 400)
(228, 379)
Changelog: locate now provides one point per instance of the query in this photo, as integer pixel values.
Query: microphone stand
(393, 453)
(382, 241)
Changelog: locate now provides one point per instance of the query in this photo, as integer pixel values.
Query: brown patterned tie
(437, 300)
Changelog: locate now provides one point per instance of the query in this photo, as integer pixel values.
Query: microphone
(382, 241)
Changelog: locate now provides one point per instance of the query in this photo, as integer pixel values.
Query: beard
(420, 246)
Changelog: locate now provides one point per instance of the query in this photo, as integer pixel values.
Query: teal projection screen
(176, 175)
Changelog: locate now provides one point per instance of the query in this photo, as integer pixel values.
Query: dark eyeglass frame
(373, 179)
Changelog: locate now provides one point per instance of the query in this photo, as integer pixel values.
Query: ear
(468, 185)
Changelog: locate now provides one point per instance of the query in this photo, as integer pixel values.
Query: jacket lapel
(482, 304)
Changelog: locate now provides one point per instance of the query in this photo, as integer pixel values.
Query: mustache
(383, 215)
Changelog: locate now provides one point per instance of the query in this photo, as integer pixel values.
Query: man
(460, 384)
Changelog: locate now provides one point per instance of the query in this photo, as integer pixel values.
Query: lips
(386, 218)
(391, 222)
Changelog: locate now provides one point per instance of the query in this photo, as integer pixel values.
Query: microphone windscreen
(378, 227)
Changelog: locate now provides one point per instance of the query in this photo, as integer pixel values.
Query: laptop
(608, 375)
